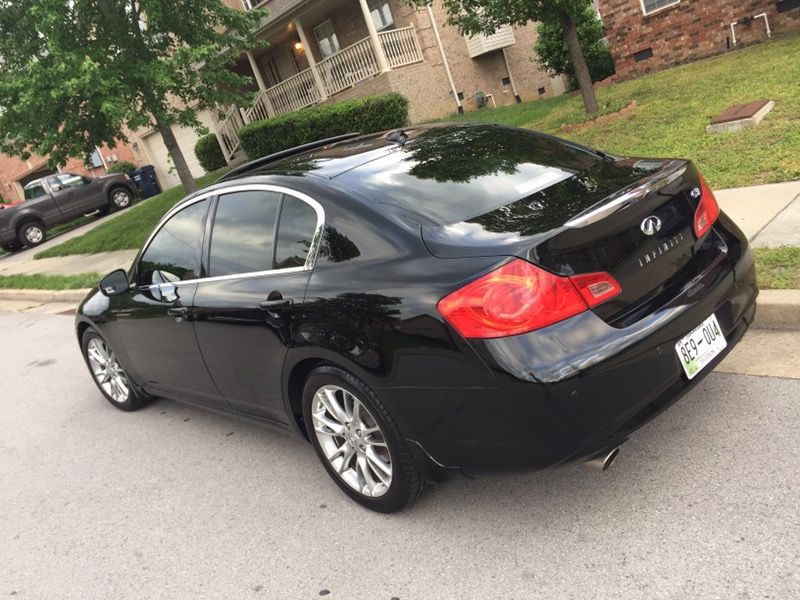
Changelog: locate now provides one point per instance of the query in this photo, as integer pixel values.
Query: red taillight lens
(707, 210)
(596, 288)
(520, 297)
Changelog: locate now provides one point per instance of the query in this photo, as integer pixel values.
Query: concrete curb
(778, 309)
(44, 296)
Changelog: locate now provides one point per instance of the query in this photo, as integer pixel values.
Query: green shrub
(208, 153)
(364, 115)
(122, 166)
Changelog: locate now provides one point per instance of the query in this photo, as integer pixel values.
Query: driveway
(176, 502)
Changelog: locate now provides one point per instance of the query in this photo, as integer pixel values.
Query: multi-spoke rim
(34, 234)
(121, 199)
(106, 370)
(352, 441)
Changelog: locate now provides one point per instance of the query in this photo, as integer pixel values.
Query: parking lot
(175, 502)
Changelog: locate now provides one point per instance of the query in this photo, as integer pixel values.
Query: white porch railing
(293, 94)
(258, 111)
(228, 132)
(401, 46)
(349, 66)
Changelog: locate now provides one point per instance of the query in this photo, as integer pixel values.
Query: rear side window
(243, 236)
(34, 190)
(174, 253)
(295, 233)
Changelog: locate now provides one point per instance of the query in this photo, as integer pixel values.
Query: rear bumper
(574, 389)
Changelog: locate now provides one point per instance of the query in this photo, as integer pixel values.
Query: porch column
(383, 65)
(312, 63)
(262, 86)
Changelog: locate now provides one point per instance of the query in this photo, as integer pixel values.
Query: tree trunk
(176, 154)
(570, 27)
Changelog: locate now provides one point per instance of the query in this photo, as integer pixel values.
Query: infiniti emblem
(651, 225)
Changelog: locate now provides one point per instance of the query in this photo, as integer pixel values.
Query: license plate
(700, 347)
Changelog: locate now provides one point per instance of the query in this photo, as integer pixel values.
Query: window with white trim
(326, 38)
(651, 6)
(381, 14)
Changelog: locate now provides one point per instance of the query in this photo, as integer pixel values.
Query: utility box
(146, 180)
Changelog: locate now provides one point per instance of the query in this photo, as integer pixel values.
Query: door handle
(276, 304)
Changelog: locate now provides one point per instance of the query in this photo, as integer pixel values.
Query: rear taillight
(707, 210)
(520, 297)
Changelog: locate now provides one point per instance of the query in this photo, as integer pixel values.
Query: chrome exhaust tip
(604, 461)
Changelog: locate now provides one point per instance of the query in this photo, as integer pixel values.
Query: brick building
(323, 51)
(15, 173)
(649, 35)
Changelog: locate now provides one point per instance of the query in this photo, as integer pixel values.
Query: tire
(12, 247)
(32, 234)
(368, 438)
(118, 389)
(119, 199)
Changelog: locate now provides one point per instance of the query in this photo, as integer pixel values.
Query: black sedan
(436, 302)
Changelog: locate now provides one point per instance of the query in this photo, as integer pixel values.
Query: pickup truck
(58, 199)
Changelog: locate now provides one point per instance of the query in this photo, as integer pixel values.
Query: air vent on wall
(787, 5)
(645, 54)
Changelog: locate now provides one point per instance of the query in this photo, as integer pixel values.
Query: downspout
(444, 61)
(511, 77)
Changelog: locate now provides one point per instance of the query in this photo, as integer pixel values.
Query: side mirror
(115, 283)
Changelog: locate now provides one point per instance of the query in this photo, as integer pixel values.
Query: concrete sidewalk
(768, 214)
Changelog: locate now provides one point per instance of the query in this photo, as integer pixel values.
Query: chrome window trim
(313, 251)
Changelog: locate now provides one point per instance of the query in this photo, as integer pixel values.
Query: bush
(554, 54)
(122, 166)
(364, 115)
(209, 154)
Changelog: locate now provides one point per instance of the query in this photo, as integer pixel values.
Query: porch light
(298, 46)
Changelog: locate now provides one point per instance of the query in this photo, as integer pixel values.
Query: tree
(554, 54)
(474, 17)
(80, 73)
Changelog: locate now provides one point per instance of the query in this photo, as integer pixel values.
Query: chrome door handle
(278, 303)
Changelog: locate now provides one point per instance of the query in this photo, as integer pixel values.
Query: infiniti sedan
(437, 302)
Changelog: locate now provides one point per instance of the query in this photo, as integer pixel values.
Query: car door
(153, 322)
(247, 310)
(75, 194)
(41, 200)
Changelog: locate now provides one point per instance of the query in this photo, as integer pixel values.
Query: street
(176, 502)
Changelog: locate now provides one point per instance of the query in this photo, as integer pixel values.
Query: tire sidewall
(399, 493)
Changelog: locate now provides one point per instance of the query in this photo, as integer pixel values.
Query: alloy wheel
(121, 199)
(352, 441)
(107, 371)
(34, 234)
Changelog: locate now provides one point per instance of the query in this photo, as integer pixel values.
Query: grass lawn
(49, 282)
(674, 108)
(778, 268)
(128, 231)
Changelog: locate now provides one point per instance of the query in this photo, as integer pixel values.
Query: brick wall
(687, 30)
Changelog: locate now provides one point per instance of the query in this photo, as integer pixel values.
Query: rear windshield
(454, 174)
(34, 190)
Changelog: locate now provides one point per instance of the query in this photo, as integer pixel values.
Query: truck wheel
(32, 234)
(12, 247)
(119, 198)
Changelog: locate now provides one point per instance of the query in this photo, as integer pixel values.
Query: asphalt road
(174, 502)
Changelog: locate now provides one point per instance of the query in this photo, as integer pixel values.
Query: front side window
(326, 39)
(381, 14)
(34, 190)
(651, 6)
(243, 236)
(66, 180)
(295, 233)
(174, 253)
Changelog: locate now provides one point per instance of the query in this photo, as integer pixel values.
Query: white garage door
(159, 156)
